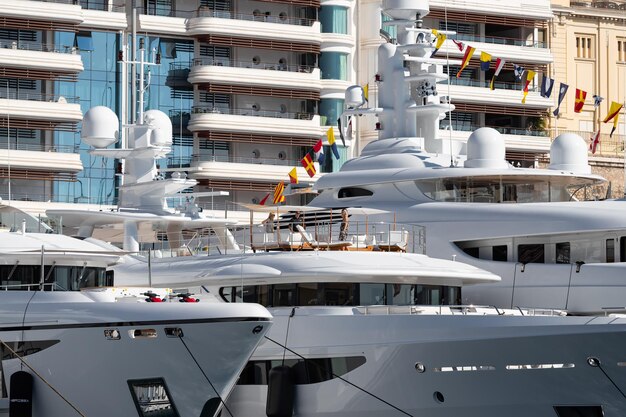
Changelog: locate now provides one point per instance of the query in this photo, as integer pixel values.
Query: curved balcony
(246, 169)
(43, 61)
(32, 158)
(528, 53)
(224, 71)
(498, 97)
(279, 28)
(40, 111)
(337, 42)
(41, 15)
(205, 118)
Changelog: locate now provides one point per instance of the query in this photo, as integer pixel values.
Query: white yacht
(525, 225)
(68, 348)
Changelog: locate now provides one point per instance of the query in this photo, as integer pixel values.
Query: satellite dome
(101, 127)
(405, 9)
(161, 126)
(568, 152)
(485, 149)
(354, 96)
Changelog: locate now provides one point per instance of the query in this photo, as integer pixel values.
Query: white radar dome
(485, 149)
(161, 126)
(405, 9)
(568, 152)
(355, 96)
(101, 127)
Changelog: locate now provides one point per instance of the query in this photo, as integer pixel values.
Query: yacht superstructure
(71, 346)
(526, 225)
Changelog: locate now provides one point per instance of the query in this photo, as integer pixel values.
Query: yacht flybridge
(526, 225)
(71, 344)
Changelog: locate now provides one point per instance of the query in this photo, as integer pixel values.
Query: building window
(330, 110)
(391, 30)
(621, 49)
(585, 125)
(334, 19)
(584, 46)
(334, 66)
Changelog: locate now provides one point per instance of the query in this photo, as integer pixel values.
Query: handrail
(506, 130)
(498, 85)
(500, 40)
(251, 112)
(38, 47)
(204, 11)
(226, 62)
(33, 96)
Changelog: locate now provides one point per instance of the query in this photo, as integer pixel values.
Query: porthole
(438, 397)
(256, 60)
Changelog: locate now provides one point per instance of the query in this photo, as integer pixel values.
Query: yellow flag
(293, 176)
(366, 88)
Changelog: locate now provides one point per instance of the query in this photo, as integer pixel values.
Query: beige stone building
(588, 42)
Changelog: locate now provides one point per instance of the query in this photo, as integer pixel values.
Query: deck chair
(398, 240)
(310, 243)
(362, 243)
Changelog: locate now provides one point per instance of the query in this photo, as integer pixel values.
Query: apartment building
(249, 86)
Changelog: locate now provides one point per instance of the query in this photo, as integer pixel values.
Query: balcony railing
(609, 147)
(194, 159)
(33, 96)
(505, 130)
(42, 147)
(499, 85)
(204, 11)
(225, 62)
(38, 47)
(251, 112)
(500, 40)
(103, 5)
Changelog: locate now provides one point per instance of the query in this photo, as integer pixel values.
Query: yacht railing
(450, 310)
(51, 286)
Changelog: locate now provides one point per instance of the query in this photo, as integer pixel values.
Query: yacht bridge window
(56, 278)
(501, 189)
(342, 294)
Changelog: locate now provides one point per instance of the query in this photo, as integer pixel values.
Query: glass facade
(330, 110)
(334, 19)
(334, 66)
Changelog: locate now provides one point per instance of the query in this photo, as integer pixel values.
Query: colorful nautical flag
(546, 86)
(262, 202)
(293, 176)
(341, 136)
(595, 140)
(349, 129)
(466, 58)
(459, 45)
(485, 61)
(278, 193)
(580, 100)
(615, 121)
(441, 38)
(330, 134)
(562, 91)
(308, 165)
(597, 100)
(613, 111)
(530, 75)
(366, 92)
(518, 71)
(319, 152)
(499, 65)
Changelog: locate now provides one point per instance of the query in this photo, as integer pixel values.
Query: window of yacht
(152, 398)
(622, 249)
(283, 295)
(309, 371)
(610, 250)
(532, 253)
(499, 253)
(563, 253)
(354, 192)
(64, 278)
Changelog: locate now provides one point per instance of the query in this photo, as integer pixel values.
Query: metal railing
(506, 130)
(251, 112)
(37, 46)
(498, 40)
(261, 17)
(219, 62)
(176, 162)
(610, 147)
(34, 96)
(499, 85)
(43, 147)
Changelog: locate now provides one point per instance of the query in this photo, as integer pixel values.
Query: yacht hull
(473, 365)
(70, 350)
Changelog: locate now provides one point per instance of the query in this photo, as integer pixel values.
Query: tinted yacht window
(563, 253)
(354, 192)
(533, 253)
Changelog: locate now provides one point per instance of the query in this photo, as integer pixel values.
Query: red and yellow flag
(530, 75)
(308, 165)
(613, 111)
(466, 59)
(278, 193)
(293, 176)
(580, 100)
(262, 202)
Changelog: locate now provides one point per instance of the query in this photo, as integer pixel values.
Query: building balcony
(255, 122)
(531, 9)
(248, 169)
(21, 59)
(41, 15)
(338, 42)
(102, 14)
(477, 92)
(46, 159)
(224, 71)
(268, 31)
(39, 111)
(513, 50)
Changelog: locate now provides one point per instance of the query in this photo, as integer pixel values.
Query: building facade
(250, 87)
